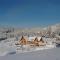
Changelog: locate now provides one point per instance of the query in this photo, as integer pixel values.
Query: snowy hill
(52, 54)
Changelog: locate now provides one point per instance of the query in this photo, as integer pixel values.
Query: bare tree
(49, 31)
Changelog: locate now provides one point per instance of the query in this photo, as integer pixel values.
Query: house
(42, 42)
(37, 41)
(23, 41)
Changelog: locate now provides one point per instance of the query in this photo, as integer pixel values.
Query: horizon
(32, 13)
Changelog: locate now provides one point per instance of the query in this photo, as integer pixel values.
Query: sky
(29, 13)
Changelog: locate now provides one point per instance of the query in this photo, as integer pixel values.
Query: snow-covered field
(8, 47)
(51, 54)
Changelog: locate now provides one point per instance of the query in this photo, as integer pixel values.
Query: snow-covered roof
(32, 38)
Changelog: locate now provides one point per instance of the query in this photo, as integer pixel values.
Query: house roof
(33, 38)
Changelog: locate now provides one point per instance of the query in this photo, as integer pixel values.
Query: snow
(32, 38)
(8, 47)
(51, 54)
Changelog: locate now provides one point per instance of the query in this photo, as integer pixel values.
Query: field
(51, 54)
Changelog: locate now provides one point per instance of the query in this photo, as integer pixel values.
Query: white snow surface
(8, 47)
(32, 38)
(51, 54)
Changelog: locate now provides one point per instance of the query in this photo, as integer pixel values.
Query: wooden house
(42, 42)
(39, 42)
(36, 42)
(23, 41)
